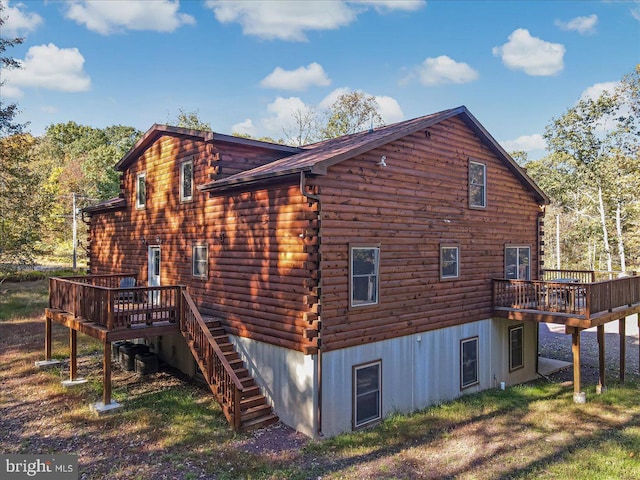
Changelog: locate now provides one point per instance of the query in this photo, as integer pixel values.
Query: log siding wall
(258, 270)
(411, 207)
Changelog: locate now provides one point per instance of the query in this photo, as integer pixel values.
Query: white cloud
(635, 13)
(526, 143)
(582, 25)
(49, 109)
(299, 79)
(531, 54)
(246, 127)
(389, 109)
(331, 98)
(594, 91)
(442, 70)
(106, 16)
(292, 20)
(48, 67)
(18, 23)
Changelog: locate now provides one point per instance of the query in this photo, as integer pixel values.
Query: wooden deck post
(73, 356)
(106, 374)
(602, 386)
(622, 329)
(47, 339)
(578, 395)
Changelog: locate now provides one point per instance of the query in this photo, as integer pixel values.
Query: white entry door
(154, 272)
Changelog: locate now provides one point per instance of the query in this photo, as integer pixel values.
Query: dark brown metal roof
(318, 157)
(111, 204)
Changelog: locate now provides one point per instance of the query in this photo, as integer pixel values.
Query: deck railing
(99, 298)
(224, 383)
(583, 299)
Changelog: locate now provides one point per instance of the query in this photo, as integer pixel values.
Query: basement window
(367, 398)
(186, 181)
(516, 355)
(200, 261)
(468, 362)
(364, 267)
(141, 190)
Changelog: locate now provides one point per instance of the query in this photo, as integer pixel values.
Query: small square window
(186, 181)
(477, 185)
(141, 190)
(516, 347)
(364, 275)
(517, 263)
(449, 262)
(200, 261)
(468, 362)
(367, 398)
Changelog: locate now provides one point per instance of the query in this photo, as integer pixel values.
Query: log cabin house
(327, 285)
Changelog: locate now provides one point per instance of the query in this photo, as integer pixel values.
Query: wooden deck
(101, 307)
(568, 299)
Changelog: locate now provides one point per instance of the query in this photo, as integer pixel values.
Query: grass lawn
(172, 428)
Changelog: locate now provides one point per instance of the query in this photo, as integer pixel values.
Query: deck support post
(73, 361)
(622, 329)
(602, 386)
(578, 394)
(106, 367)
(47, 362)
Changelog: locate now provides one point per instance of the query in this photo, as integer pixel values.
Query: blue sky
(246, 66)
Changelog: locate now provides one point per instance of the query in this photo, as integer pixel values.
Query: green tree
(190, 120)
(350, 113)
(8, 111)
(22, 202)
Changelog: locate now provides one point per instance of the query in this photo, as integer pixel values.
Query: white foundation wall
(422, 369)
(288, 379)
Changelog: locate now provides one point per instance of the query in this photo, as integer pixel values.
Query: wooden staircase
(242, 402)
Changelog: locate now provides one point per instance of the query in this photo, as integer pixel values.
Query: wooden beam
(106, 374)
(622, 329)
(602, 386)
(47, 338)
(73, 355)
(578, 395)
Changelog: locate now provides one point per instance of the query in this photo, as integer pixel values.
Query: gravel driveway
(554, 343)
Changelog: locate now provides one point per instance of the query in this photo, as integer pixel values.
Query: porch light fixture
(144, 241)
(383, 161)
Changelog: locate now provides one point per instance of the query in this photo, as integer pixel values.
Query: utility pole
(75, 232)
(557, 242)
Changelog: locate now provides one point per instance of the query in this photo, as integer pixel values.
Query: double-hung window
(200, 261)
(477, 184)
(449, 262)
(468, 362)
(364, 268)
(517, 262)
(367, 389)
(186, 181)
(141, 190)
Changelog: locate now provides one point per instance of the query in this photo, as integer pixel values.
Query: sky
(246, 66)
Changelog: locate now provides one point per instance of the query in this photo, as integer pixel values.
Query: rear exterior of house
(353, 275)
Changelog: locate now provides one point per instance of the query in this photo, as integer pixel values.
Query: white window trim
(353, 247)
(193, 260)
(512, 329)
(463, 385)
(457, 249)
(354, 380)
(518, 247)
(142, 176)
(484, 184)
(184, 198)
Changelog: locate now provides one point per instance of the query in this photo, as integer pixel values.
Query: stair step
(217, 332)
(236, 363)
(251, 391)
(221, 339)
(225, 347)
(255, 412)
(231, 355)
(259, 422)
(210, 321)
(241, 372)
(247, 381)
(251, 402)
